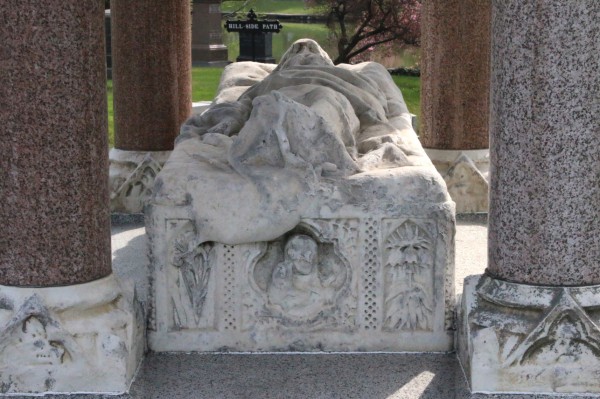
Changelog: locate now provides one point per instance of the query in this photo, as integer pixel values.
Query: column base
(131, 178)
(78, 338)
(209, 55)
(517, 338)
(466, 175)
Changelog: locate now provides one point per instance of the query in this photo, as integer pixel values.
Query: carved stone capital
(466, 175)
(78, 338)
(131, 178)
(522, 338)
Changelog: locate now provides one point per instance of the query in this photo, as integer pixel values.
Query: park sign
(252, 24)
(256, 38)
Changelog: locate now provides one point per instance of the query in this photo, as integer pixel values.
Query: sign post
(256, 43)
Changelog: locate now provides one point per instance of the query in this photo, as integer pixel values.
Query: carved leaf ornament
(194, 262)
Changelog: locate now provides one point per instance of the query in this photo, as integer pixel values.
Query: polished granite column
(53, 189)
(65, 323)
(151, 44)
(455, 79)
(531, 322)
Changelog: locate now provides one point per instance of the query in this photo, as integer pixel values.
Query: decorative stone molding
(466, 175)
(79, 338)
(131, 178)
(522, 338)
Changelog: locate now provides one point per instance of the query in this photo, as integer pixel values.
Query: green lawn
(411, 91)
(111, 114)
(206, 80)
(268, 6)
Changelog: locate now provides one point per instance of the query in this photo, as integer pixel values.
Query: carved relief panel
(67, 339)
(408, 259)
(371, 280)
(304, 279)
(190, 281)
(131, 184)
(531, 338)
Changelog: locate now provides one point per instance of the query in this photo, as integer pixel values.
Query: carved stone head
(302, 250)
(304, 52)
(408, 246)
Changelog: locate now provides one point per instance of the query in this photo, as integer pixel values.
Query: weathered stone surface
(467, 186)
(54, 164)
(523, 338)
(545, 140)
(151, 69)
(81, 338)
(302, 216)
(131, 178)
(466, 176)
(455, 63)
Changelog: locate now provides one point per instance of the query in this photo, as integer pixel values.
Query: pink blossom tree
(360, 25)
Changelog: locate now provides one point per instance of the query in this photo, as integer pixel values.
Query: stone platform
(367, 375)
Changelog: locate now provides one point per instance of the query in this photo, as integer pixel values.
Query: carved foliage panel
(408, 248)
(190, 281)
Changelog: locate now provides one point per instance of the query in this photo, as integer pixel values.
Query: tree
(360, 25)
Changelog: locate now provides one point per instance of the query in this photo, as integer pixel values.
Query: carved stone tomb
(300, 213)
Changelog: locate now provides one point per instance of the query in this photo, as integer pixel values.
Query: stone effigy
(300, 212)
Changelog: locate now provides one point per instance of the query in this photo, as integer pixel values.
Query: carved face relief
(408, 248)
(305, 282)
(301, 250)
(408, 276)
(34, 347)
(564, 344)
(304, 52)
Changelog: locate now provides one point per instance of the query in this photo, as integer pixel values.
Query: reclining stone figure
(267, 154)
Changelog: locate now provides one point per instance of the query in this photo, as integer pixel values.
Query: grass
(206, 80)
(111, 114)
(411, 91)
(268, 6)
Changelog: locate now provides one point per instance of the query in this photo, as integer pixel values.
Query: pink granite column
(151, 91)
(544, 221)
(455, 67)
(530, 324)
(151, 72)
(53, 169)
